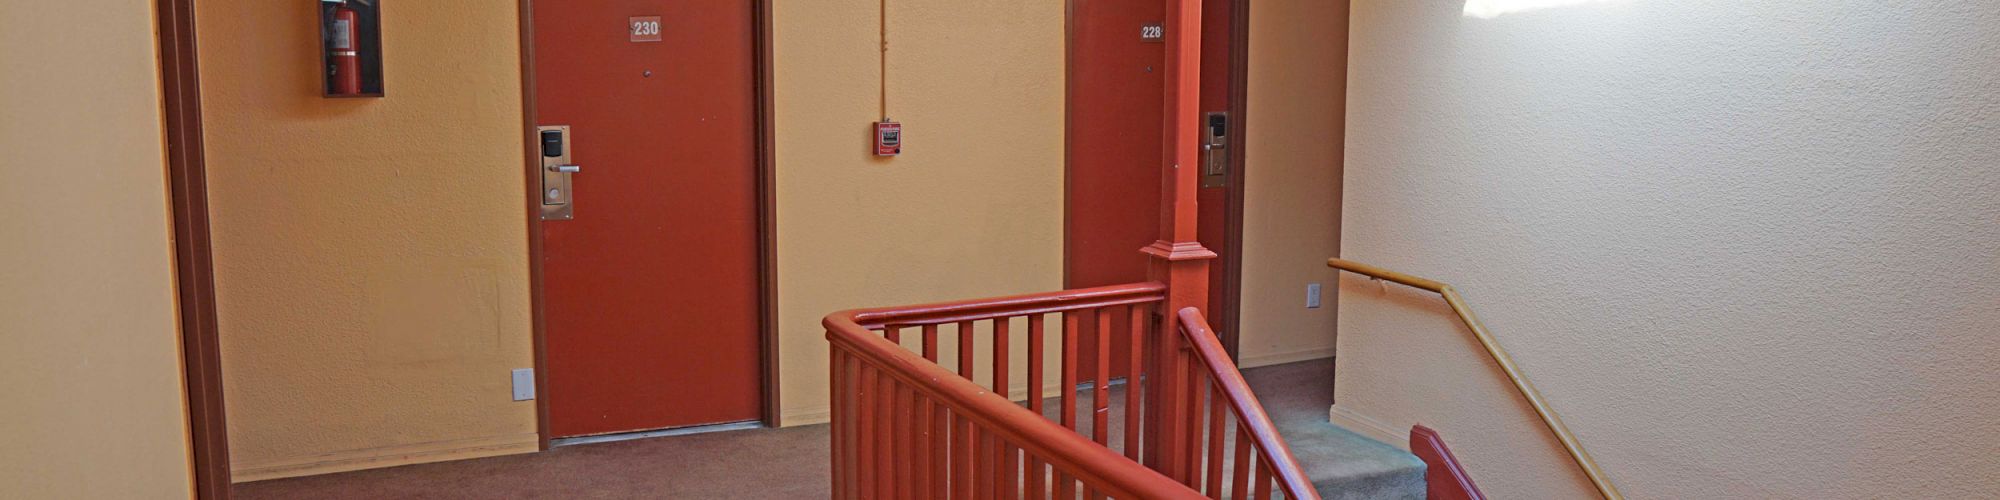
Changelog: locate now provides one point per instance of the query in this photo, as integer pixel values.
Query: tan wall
(1291, 202)
(370, 323)
(1748, 249)
(973, 208)
(89, 342)
(371, 264)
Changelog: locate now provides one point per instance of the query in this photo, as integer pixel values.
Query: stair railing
(1500, 357)
(904, 426)
(1231, 405)
(917, 415)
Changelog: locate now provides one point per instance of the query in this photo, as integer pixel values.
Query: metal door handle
(567, 169)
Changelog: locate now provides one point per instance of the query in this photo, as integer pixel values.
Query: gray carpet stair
(1341, 464)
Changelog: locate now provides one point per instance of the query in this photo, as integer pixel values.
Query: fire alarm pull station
(888, 138)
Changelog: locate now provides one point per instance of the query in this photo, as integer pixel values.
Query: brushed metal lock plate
(1215, 150)
(557, 147)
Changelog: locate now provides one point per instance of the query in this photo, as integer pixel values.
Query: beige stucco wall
(1748, 249)
(1291, 201)
(370, 254)
(89, 341)
(371, 263)
(973, 207)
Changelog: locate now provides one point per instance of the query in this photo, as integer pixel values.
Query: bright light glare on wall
(1488, 9)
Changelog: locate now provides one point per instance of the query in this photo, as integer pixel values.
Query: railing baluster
(866, 423)
(1100, 394)
(887, 435)
(1035, 380)
(1100, 387)
(891, 332)
(1263, 479)
(1171, 437)
(1069, 368)
(965, 350)
(905, 441)
(1152, 442)
(961, 460)
(931, 343)
(1191, 426)
(1010, 470)
(1065, 487)
(1240, 483)
(1032, 474)
(1216, 418)
(940, 460)
(837, 393)
(1133, 377)
(984, 469)
(920, 447)
(1003, 346)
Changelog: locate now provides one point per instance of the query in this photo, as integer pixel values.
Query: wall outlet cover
(524, 384)
(1312, 296)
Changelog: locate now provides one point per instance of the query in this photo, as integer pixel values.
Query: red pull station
(888, 138)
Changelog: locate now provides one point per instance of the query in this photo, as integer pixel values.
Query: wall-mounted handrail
(1256, 424)
(1506, 362)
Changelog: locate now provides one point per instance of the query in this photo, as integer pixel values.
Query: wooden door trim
(531, 177)
(1232, 214)
(767, 272)
(194, 270)
(767, 207)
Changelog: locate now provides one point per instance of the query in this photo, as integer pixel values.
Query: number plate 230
(645, 29)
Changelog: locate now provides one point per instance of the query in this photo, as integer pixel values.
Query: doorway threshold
(677, 431)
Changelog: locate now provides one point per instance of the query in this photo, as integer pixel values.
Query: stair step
(1340, 463)
(1343, 465)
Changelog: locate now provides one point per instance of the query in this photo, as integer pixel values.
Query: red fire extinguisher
(346, 57)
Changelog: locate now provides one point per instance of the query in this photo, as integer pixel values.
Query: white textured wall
(1749, 249)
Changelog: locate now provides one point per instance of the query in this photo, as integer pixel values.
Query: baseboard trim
(1279, 358)
(805, 416)
(391, 456)
(1367, 426)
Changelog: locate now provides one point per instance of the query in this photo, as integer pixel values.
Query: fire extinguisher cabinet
(351, 47)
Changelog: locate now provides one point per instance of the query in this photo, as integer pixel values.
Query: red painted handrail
(1257, 424)
(905, 426)
(1018, 305)
(880, 473)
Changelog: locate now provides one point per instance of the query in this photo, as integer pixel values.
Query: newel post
(1178, 259)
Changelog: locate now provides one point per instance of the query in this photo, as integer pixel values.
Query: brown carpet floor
(761, 463)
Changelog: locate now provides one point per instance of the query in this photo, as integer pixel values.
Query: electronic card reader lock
(556, 172)
(1215, 150)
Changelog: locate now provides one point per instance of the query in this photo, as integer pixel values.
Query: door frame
(1232, 214)
(767, 272)
(194, 270)
(1229, 315)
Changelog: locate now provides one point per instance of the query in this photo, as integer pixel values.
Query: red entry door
(1116, 96)
(651, 292)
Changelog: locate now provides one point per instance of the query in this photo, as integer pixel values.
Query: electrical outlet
(1312, 296)
(524, 384)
